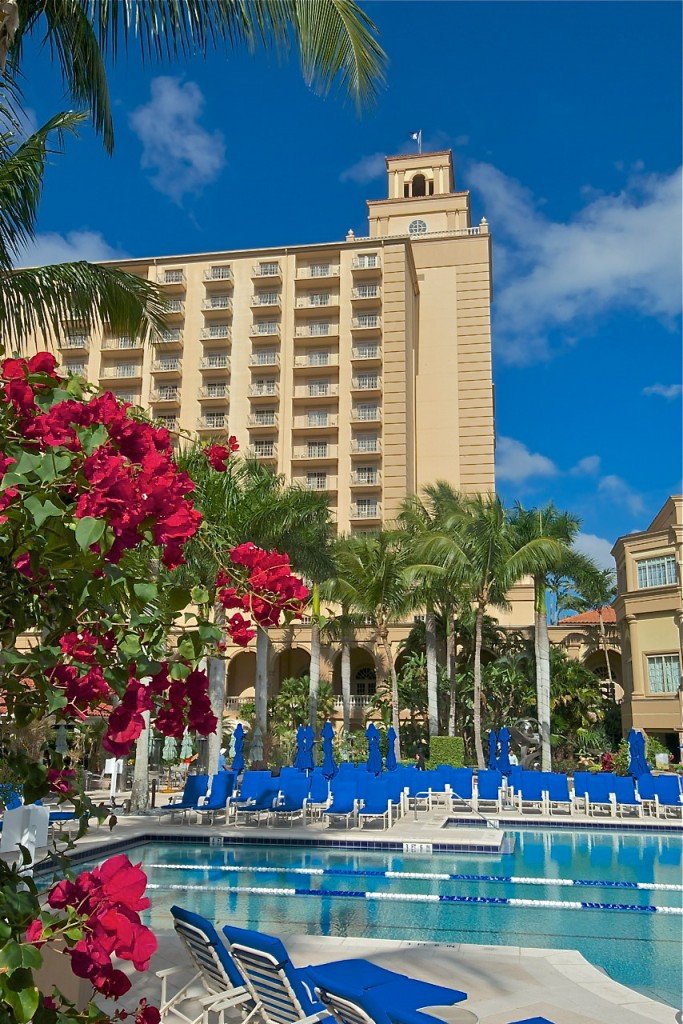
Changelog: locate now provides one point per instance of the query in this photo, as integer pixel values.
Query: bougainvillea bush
(91, 505)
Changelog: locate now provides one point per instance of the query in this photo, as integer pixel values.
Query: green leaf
(27, 463)
(89, 531)
(200, 595)
(10, 956)
(51, 466)
(210, 633)
(24, 1002)
(130, 645)
(186, 648)
(146, 591)
(13, 479)
(176, 598)
(75, 388)
(30, 956)
(40, 511)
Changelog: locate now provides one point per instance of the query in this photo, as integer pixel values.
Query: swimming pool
(348, 893)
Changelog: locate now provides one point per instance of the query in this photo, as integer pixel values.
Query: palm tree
(480, 537)
(533, 524)
(373, 581)
(335, 39)
(38, 301)
(595, 591)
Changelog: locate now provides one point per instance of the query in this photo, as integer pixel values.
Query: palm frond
(44, 300)
(21, 180)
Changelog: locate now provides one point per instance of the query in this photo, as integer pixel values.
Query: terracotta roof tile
(588, 618)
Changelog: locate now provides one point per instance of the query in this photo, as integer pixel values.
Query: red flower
(22, 563)
(43, 362)
(126, 721)
(61, 781)
(81, 646)
(34, 933)
(147, 1014)
(219, 454)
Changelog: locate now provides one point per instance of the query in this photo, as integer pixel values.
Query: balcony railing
(373, 447)
(265, 330)
(371, 262)
(212, 423)
(315, 452)
(363, 352)
(214, 363)
(213, 394)
(167, 366)
(122, 344)
(317, 359)
(265, 270)
(265, 452)
(366, 323)
(171, 278)
(266, 301)
(218, 273)
(259, 359)
(219, 332)
(264, 390)
(328, 422)
(217, 304)
(75, 341)
(371, 511)
(317, 301)
(373, 415)
(120, 372)
(355, 703)
(321, 483)
(170, 422)
(318, 271)
(165, 395)
(257, 422)
(174, 307)
(324, 330)
(364, 292)
(169, 338)
(366, 384)
(366, 479)
(315, 391)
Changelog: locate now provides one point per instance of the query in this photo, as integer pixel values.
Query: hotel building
(360, 368)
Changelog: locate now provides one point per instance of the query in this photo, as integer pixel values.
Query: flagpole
(419, 141)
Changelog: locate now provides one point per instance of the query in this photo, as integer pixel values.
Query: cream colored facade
(649, 609)
(360, 368)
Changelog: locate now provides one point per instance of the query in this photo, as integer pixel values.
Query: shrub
(621, 759)
(448, 750)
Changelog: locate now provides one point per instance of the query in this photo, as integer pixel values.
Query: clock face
(417, 227)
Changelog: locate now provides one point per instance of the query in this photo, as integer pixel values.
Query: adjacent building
(649, 610)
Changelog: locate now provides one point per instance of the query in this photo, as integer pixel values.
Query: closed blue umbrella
(643, 766)
(504, 765)
(237, 743)
(391, 749)
(374, 764)
(633, 753)
(300, 752)
(329, 767)
(493, 743)
(309, 742)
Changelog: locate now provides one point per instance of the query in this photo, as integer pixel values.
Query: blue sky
(564, 119)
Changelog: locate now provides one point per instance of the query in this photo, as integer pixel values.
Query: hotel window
(320, 299)
(367, 411)
(367, 291)
(367, 381)
(368, 351)
(656, 572)
(215, 390)
(664, 673)
(268, 269)
(215, 362)
(367, 320)
(167, 394)
(267, 298)
(319, 330)
(126, 370)
(365, 682)
(265, 417)
(167, 364)
(219, 302)
(367, 443)
(128, 396)
(173, 276)
(366, 508)
(320, 269)
(174, 306)
(316, 481)
(77, 339)
(264, 448)
(367, 262)
(170, 422)
(214, 419)
(172, 334)
(218, 331)
(318, 388)
(266, 326)
(76, 368)
(219, 273)
(267, 357)
(366, 475)
(265, 387)
(417, 227)
(319, 359)
(317, 449)
(318, 419)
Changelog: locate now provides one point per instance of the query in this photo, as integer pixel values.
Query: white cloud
(619, 252)
(51, 247)
(618, 491)
(366, 169)
(514, 462)
(588, 466)
(667, 391)
(183, 155)
(596, 548)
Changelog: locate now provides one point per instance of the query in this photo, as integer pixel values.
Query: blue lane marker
(428, 876)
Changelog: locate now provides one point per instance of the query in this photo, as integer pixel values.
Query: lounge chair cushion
(362, 975)
(213, 940)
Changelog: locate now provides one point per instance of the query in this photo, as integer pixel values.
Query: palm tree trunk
(542, 652)
(314, 670)
(139, 797)
(477, 687)
(261, 684)
(452, 667)
(216, 671)
(395, 717)
(603, 640)
(432, 676)
(346, 682)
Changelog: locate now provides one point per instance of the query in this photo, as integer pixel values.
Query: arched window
(365, 682)
(417, 227)
(419, 185)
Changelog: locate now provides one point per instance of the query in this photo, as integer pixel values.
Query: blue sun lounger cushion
(364, 976)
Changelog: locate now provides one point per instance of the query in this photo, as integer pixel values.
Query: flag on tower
(417, 137)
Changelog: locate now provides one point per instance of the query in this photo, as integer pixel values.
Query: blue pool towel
(364, 976)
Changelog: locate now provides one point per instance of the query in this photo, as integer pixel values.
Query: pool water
(639, 949)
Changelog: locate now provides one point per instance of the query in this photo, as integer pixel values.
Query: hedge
(446, 750)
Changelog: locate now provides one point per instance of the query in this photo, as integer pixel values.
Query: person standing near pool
(222, 761)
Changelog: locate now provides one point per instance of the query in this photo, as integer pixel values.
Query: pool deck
(504, 983)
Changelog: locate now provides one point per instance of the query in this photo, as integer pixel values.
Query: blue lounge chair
(216, 802)
(599, 790)
(625, 800)
(376, 805)
(531, 793)
(344, 804)
(319, 795)
(215, 970)
(460, 781)
(420, 789)
(258, 806)
(557, 794)
(662, 795)
(276, 986)
(489, 791)
(291, 799)
(253, 785)
(195, 788)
